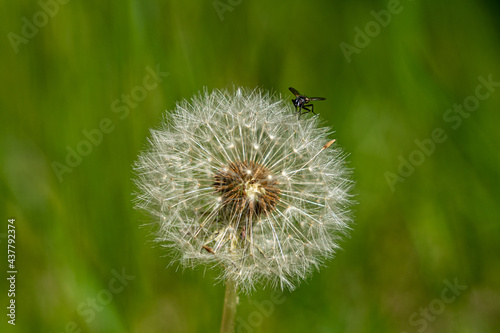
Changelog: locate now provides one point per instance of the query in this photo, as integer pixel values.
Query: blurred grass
(442, 222)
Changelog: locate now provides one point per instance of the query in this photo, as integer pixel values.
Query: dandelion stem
(229, 311)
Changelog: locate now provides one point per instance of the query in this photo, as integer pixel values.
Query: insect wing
(294, 91)
(316, 98)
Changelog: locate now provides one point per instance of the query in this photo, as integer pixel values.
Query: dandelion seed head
(233, 179)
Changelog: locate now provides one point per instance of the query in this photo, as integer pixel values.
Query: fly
(302, 102)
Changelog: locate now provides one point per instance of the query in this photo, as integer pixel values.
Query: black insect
(302, 102)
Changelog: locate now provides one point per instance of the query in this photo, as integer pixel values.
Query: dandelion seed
(234, 180)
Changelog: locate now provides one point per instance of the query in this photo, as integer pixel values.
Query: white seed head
(235, 180)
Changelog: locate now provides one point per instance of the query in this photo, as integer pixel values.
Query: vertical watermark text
(11, 271)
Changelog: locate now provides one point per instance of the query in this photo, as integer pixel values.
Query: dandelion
(235, 180)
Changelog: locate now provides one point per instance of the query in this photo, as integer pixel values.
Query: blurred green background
(70, 73)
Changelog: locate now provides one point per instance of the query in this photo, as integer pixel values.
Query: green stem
(229, 311)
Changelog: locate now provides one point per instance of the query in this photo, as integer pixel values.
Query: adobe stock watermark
(453, 116)
(121, 107)
(30, 27)
(92, 305)
(263, 310)
(222, 6)
(420, 319)
(372, 29)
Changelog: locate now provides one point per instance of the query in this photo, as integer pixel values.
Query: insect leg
(312, 108)
(299, 112)
(304, 108)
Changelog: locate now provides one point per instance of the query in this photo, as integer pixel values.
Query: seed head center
(246, 188)
(254, 190)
